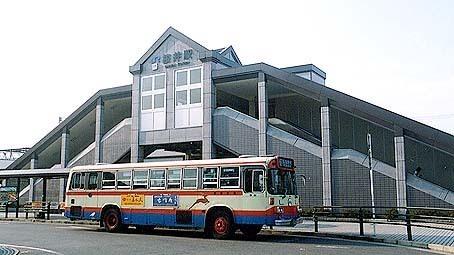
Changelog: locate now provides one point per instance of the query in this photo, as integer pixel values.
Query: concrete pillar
(326, 153)
(135, 118)
(401, 177)
(263, 113)
(64, 152)
(99, 131)
(33, 165)
(209, 105)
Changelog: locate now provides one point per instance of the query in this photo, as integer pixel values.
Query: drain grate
(8, 251)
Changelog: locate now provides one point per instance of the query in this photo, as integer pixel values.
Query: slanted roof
(229, 50)
(169, 32)
(79, 113)
(388, 119)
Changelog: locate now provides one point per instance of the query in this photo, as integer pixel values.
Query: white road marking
(31, 248)
(330, 247)
(74, 227)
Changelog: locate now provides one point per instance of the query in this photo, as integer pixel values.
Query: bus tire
(112, 221)
(222, 225)
(250, 231)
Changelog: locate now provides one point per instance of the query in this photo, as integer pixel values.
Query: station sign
(170, 60)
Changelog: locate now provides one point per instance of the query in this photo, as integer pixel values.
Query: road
(35, 238)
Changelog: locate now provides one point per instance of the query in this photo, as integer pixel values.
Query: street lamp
(371, 175)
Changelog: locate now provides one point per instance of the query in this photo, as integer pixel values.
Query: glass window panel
(210, 180)
(195, 96)
(195, 76)
(146, 102)
(182, 78)
(174, 174)
(190, 173)
(75, 182)
(124, 179)
(159, 82)
(159, 101)
(157, 174)
(140, 175)
(147, 83)
(181, 98)
(93, 181)
(190, 183)
(229, 183)
(108, 179)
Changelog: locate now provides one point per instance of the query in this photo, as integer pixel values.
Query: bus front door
(254, 187)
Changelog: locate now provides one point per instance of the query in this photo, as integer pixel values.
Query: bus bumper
(285, 222)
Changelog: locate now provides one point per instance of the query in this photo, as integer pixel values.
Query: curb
(413, 244)
(50, 221)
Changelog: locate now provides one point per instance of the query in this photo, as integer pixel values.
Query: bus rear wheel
(250, 231)
(222, 225)
(112, 221)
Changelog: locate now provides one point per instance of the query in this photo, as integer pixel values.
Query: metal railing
(427, 217)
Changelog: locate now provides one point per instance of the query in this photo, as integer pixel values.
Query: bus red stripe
(159, 192)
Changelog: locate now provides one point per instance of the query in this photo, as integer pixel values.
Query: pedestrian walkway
(391, 232)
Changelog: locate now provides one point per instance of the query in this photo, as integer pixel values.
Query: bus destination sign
(165, 200)
(286, 163)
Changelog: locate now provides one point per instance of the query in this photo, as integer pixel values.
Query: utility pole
(371, 175)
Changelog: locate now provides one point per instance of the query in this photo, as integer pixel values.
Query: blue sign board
(165, 200)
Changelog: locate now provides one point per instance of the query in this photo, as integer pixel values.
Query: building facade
(207, 104)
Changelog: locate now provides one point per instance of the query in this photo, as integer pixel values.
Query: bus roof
(182, 163)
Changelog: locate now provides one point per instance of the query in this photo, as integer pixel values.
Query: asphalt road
(34, 238)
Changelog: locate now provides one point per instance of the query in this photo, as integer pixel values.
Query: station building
(207, 104)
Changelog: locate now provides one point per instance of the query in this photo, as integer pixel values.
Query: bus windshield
(281, 182)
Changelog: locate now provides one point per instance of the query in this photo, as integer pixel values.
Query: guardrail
(427, 217)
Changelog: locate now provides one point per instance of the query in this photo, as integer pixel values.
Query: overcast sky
(55, 55)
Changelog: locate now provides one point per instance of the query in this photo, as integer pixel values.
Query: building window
(230, 177)
(210, 178)
(188, 97)
(153, 98)
(190, 178)
(157, 179)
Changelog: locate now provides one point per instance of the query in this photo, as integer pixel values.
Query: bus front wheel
(222, 225)
(112, 221)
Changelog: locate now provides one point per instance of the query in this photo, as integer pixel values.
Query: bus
(217, 195)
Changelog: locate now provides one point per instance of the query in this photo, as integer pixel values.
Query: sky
(54, 55)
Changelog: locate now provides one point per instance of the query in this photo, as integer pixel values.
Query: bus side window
(230, 177)
(254, 180)
(210, 178)
(140, 179)
(173, 178)
(92, 181)
(82, 180)
(75, 181)
(190, 178)
(157, 179)
(124, 179)
(108, 180)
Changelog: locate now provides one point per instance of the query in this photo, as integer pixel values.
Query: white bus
(218, 195)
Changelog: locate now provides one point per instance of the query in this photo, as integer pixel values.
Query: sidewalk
(387, 233)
